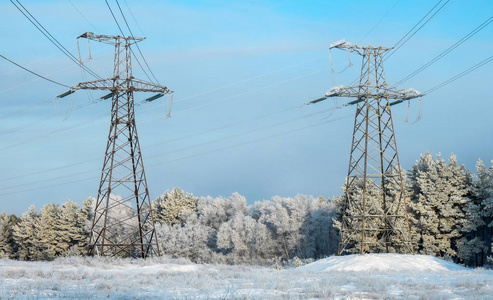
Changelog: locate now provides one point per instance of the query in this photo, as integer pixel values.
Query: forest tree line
(450, 212)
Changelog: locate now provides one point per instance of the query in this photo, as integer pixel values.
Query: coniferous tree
(438, 204)
(26, 235)
(71, 229)
(7, 245)
(50, 242)
(169, 207)
(483, 190)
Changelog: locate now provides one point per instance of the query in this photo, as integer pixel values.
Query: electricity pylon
(375, 210)
(123, 198)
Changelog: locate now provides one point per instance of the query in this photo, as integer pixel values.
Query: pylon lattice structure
(375, 212)
(123, 198)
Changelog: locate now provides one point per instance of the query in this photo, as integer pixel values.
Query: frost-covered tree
(285, 218)
(169, 207)
(214, 212)
(50, 242)
(194, 236)
(71, 233)
(188, 240)
(438, 204)
(320, 237)
(483, 193)
(7, 244)
(26, 235)
(470, 245)
(245, 239)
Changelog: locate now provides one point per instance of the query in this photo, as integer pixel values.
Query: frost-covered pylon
(375, 214)
(123, 223)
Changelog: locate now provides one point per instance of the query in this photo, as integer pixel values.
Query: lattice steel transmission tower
(123, 198)
(375, 211)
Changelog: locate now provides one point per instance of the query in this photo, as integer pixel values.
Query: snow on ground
(371, 276)
(382, 262)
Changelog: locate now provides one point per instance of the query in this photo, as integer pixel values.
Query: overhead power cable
(406, 38)
(51, 38)
(44, 171)
(133, 17)
(46, 118)
(245, 133)
(138, 47)
(379, 21)
(463, 73)
(189, 156)
(180, 150)
(253, 141)
(80, 124)
(448, 50)
(409, 34)
(80, 13)
(139, 103)
(120, 28)
(34, 73)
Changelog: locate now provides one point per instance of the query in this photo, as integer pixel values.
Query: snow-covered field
(372, 276)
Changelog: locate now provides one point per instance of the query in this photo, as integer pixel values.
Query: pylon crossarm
(388, 92)
(361, 50)
(100, 84)
(110, 39)
(135, 85)
(145, 86)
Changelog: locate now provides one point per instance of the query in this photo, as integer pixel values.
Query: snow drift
(371, 276)
(382, 263)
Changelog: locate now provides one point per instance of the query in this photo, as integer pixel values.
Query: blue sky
(240, 71)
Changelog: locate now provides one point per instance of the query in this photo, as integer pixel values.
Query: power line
(44, 187)
(34, 73)
(156, 144)
(35, 122)
(253, 141)
(180, 150)
(448, 50)
(16, 112)
(119, 27)
(389, 54)
(379, 21)
(80, 124)
(83, 16)
(138, 47)
(141, 102)
(191, 156)
(249, 92)
(463, 73)
(247, 132)
(133, 17)
(52, 39)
